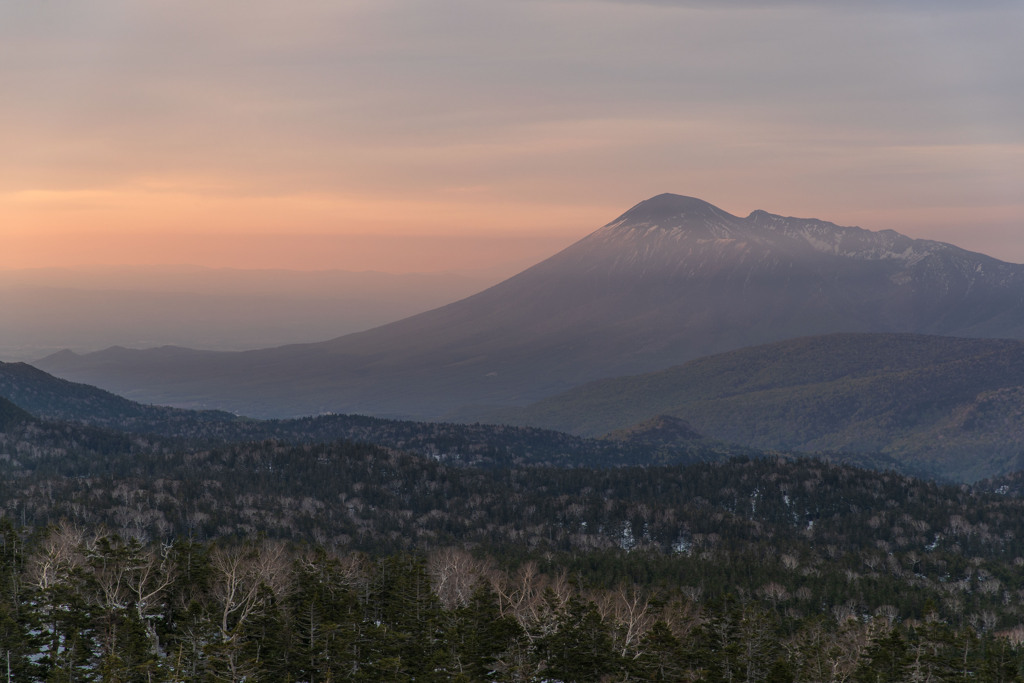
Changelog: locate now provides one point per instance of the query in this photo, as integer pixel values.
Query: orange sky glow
(396, 137)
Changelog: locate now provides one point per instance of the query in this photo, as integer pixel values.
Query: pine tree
(581, 649)
(405, 630)
(481, 636)
(15, 640)
(885, 661)
(660, 656)
(325, 620)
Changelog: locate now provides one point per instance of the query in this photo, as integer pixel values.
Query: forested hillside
(78, 409)
(482, 553)
(948, 407)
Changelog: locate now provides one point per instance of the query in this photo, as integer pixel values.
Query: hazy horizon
(86, 309)
(452, 135)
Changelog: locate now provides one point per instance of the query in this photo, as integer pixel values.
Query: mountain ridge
(947, 405)
(672, 279)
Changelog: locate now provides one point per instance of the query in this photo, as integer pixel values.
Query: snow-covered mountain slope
(672, 279)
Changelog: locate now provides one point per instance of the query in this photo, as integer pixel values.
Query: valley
(393, 541)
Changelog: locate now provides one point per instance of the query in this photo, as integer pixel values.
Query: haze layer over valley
(45, 310)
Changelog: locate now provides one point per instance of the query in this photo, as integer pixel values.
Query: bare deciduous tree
(245, 577)
(58, 555)
(630, 608)
(454, 574)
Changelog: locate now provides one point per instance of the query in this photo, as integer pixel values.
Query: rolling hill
(31, 397)
(950, 406)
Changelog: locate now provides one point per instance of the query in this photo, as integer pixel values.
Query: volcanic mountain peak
(669, 219)
(660, 227)
(671, 279)
(673, 212)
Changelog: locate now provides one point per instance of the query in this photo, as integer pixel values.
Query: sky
(430, 135)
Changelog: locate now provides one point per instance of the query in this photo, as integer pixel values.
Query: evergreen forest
(475, 553)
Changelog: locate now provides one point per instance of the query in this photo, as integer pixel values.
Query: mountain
(672, 279)
(52, 398)
(947, 406)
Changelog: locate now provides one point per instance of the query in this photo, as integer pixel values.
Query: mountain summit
(672, 279)
(668, 222)
(672, 211)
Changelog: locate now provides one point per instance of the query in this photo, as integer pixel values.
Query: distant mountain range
(931, 406)
(39, 410)
(672, 279)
